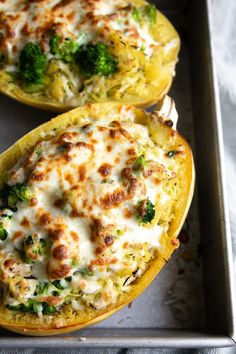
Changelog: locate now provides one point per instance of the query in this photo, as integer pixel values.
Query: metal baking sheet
(190, 304)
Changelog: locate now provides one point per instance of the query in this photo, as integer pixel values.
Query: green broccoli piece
(85, 271)
(33, 307)
(32, 246)
(42, 288)
(5, 216)
(18, 193)
(95, 59)
(54, 43)
(136, 14)
(66, 51)
(146, 211)
(140, 163)
(148, 12)
(58, 284)
(3, 233)
(32, 64)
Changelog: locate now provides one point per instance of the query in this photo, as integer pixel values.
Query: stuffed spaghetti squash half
(91, 206)
(58, 55)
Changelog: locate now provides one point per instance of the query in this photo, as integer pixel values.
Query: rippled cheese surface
(87, 197)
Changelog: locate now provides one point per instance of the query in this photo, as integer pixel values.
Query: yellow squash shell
(160, 132)
(146, 80)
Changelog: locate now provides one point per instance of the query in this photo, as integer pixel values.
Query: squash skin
(77, 117)
(168, 33)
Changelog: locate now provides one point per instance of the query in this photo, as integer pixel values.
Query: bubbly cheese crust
(134, 40)
(81, 238)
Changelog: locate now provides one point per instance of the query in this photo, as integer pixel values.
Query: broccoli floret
(3, 233)
(65, 51)
(54, 44)
(32, 63)
(58, 284)
(135, 14)
(148, 12)
(146, 211)
(95, 59)
(18, 193)
(33, 307)
(5, 216)
(140, 163)
(33, 247)
(42, 288)
(10, 195)
(84, 272)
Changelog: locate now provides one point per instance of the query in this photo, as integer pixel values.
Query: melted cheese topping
(83, 21)
(87, 192)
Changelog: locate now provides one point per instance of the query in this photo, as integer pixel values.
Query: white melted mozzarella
(87, 208)
(81, 20)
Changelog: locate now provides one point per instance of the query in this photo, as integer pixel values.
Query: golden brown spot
(130, 161)
(45, 219)
(157, 180)
(94, 141)
(63, 137)
(114, 199)
(133, 186)
(60, 252)
(82, 144)
(76, 213)
(142, 208)
(62, 3)
(71, 16)
(126, 134)
(38, 176)
(109, 148)
(131, 152)
(99, 250)
(17, 235)
(115, 123)
(42, 159)
(102, 261)
(67, 157)
(9, 263)
(74, 236)
(25, 222)
(125, 245)
(69, 178)
(117, 160)
(26, 30)
(56, 234)
(127, 213)
(127, 172)
(60, 272)
(114, 133)
(82, 172)
(33, 202)
(105, 169)
(51, 300)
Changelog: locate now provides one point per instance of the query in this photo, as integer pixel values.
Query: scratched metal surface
(178, 309)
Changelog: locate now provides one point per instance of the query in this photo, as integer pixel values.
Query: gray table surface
(224, 35)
